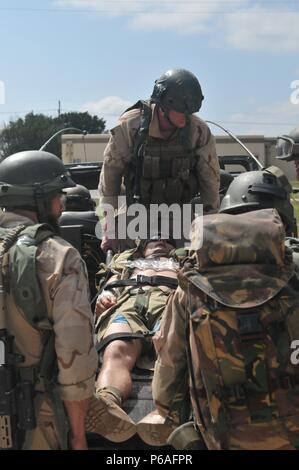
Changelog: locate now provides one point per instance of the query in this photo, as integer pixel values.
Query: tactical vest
(242, 321)
(20, 281)
(161, 171)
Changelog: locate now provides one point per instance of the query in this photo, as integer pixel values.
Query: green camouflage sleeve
(170, 345)
(63, 278)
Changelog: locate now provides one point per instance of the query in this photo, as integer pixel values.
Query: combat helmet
(78, 199)
(30, 179)
(287, 146)
(178, 90)
(263, 189)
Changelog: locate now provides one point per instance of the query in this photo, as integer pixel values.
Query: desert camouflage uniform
(119, 153)
(245, 394)
(63, 280)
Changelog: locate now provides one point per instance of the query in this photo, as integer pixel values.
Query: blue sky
(102, 56)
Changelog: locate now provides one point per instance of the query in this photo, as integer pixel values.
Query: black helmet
(287, 146)
(264, 189)
(78, 199)
(29, 178)
(178, 90)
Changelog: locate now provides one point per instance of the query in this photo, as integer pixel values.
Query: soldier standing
(161, 151)
(46, 307)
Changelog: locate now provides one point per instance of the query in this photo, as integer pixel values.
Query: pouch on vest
(22, 273)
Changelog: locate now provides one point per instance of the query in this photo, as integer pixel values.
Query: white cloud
(183, 17)
(270, 119)
(242, 24)
(108, 108)
(111, 105)
(263, 29)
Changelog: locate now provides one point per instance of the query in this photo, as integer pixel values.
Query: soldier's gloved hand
(105, 300)
(109, 244)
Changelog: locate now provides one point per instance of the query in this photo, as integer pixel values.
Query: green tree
(25, 133)
(84, 121)
(32, 131)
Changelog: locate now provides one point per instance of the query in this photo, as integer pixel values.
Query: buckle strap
(250, 327)
(146, 280)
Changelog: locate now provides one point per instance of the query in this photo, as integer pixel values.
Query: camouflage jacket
(242, 264)
(63, 281)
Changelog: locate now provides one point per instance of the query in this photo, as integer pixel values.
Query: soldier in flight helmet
(47, 313)
(162, 151)
(287, 148)
(254, 190)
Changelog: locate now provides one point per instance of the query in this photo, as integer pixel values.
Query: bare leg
(119, 359)
(114, 384)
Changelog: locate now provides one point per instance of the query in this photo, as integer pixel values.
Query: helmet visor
(286, 148)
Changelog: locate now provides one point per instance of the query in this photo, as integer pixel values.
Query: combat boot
(106, 417)
(154, 429)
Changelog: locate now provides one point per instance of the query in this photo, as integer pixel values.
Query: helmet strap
(166, 116)
(44, 209)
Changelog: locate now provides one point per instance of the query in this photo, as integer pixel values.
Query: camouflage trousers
(44, 436)
(141, 309)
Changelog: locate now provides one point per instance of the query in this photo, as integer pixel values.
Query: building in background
(77, 149)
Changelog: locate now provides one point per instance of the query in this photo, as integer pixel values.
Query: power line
(152, 11)
(258, 123)
(151, 3)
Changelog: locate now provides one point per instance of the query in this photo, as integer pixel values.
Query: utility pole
(59, 108)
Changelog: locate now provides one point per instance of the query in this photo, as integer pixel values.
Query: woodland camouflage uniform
(238, 309)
